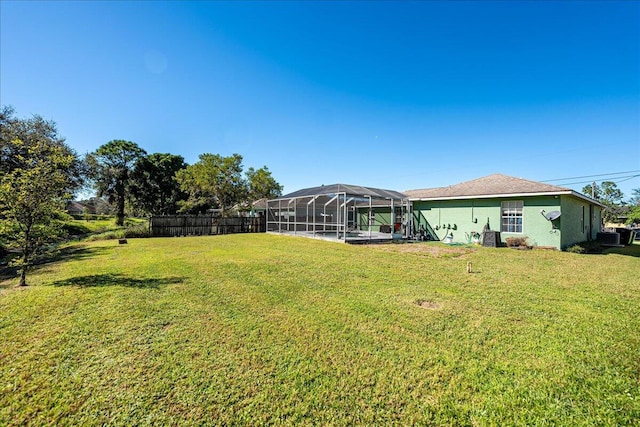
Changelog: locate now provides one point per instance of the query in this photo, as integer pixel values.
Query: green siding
(382, 216)
(585, 223)
(461, 217)
(540, 231)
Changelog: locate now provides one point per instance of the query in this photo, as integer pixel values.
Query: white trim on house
(496, 196)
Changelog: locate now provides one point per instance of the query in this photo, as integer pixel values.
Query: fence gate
(204, 225)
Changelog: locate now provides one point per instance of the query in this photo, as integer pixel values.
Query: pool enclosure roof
(349, 190)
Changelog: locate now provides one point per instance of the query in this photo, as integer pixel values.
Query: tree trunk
(26, 252)
(23, 276)
(120, 218)
(120, 203)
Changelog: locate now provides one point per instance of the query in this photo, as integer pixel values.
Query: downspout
(473, 203)
(393, 218)
(369, 216)
(338, 216)
(295, 216)
(345, 219)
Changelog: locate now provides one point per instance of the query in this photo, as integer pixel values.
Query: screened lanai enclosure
(348, 213)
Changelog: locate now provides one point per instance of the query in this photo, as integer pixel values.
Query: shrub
(516, 242)
(74, 229)
(591, 247)
(108, 235)
(92, 217)
(130, 222)
(141, 230)
(576, 249)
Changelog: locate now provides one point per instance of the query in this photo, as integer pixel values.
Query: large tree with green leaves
(635, 197)
(606, 191)
(609, 195)
(38, 173)
(214, 181)
(18, 137)
(110, 168)
(261, 184)
(154, 188)
(32, 194)
(633, 216)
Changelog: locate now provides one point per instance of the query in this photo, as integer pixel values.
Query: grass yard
(93, 226)
(102, 229)
(273, 330)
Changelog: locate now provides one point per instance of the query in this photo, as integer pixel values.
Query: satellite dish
(553, 215)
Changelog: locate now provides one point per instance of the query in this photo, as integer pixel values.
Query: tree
(609, 195)
(154, 189)
(607, 191)
(635, 197)
(110, 167)
(24, 145)
(18, 138)
(633, 216)
(32, 193)
(261, 184)
(213, 182)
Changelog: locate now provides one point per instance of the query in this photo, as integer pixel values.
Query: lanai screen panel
(343, 212)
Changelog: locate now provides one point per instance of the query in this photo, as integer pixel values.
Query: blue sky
(398, 95)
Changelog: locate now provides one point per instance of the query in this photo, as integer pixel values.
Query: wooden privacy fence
(200, 225)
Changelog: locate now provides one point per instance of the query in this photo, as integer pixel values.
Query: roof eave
(497, 196)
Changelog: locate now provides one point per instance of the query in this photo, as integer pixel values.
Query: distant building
(76, 208)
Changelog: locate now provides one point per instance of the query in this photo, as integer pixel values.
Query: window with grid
(511, 216)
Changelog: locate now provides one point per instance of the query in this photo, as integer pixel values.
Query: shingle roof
(260, 203)
(492, 185)
(77, 207)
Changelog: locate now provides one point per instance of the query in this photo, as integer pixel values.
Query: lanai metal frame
(340, 212)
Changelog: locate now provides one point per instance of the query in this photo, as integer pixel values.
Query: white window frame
(512, 216)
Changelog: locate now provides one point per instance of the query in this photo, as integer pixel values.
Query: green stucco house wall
(376, 218)
(513, 206)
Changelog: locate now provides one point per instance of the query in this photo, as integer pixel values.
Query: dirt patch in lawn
(434, 250)
(428, 305)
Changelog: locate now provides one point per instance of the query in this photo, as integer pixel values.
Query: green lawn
(93, 226)
(273, 330)
(86, 227)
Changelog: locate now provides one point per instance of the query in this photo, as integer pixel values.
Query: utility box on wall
(491, 239)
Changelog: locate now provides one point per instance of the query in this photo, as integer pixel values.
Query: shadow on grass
(7, 273)
(631, 250)
(5, 285)
(77, 252)
(103, 280)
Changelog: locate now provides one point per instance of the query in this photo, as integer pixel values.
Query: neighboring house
(76, 208)
(255, 208)
(516, 207)
(259, 207)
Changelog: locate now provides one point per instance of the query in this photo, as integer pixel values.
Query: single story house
(254, 208)
(547, 215)
(76, 208)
